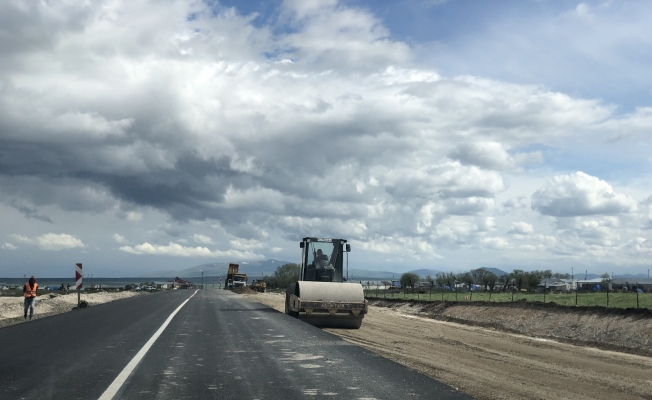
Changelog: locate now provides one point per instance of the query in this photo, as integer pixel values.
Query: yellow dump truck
(234, 278)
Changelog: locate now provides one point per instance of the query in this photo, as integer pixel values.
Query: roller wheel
(290, 290)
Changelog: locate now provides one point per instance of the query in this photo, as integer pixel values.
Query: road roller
(323, 296)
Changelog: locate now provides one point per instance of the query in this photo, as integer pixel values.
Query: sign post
(78, 282)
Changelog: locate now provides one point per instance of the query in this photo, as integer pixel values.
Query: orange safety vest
(30, 292)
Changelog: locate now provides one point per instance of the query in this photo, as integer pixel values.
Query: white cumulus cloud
(119, 238)
(492, 155)
(521, 228)
(177, 250)
(202, 239)
(52, 241)
(580, 194)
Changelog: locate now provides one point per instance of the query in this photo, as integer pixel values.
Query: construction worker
(29, 292)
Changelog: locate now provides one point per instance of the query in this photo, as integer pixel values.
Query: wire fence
(632, 299)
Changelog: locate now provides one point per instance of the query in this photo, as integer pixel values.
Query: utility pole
(202, 279)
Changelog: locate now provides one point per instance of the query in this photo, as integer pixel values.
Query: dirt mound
(11, 308)
(627, 329)
(643, 313)
(244, 290)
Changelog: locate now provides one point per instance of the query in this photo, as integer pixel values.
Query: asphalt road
(218, 345)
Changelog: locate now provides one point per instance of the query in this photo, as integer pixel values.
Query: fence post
(376, 289)
(607, 296)
(512, 294)
(442, 294)
(577, 289)
(636, 294)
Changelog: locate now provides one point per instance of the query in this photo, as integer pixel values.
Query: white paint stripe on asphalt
(122, 377)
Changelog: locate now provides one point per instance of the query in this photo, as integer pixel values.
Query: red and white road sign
(78, 276)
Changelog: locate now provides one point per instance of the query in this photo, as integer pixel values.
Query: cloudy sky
(138, 135)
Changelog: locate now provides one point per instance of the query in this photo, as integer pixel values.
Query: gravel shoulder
(489, 363)
(11, 308)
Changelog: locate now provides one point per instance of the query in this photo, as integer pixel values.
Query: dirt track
(490, 364)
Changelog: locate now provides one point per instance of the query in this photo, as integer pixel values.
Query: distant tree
(533, 281)
(440, 279)
(284, 275)
(450, 279)
(465, 277)
(525, 280)
(489, 280)
(479, 275)
(561, 276)
(409, 279)
(605, 277)
(503, 281)
(547, 274)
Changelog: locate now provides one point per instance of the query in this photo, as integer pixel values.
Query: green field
(616, 300)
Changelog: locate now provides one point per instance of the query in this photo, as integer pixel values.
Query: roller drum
(327, 304)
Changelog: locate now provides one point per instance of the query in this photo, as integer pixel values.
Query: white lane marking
(122, 377)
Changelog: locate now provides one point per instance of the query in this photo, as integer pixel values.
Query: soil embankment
(617, 329)
(11, 308)
(486, 358)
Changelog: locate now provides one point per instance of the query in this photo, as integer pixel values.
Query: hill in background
(252, 268)
(496, 271)
(262, 268)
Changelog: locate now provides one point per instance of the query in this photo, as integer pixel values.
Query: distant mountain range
(267, 267)
(251, 268)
